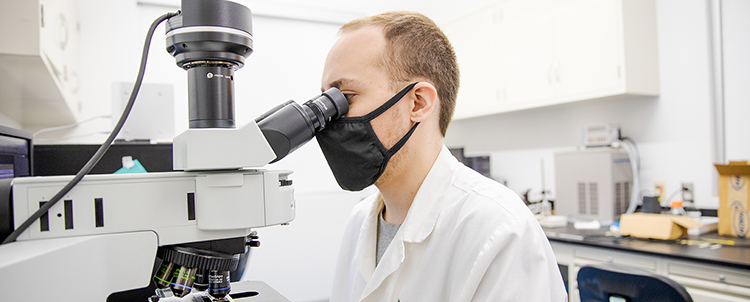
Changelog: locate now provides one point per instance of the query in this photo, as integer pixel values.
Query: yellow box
(656, 226)
(734, 218)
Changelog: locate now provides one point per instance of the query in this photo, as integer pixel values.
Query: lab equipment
(593, 184)
(677, 209)
(16, 151)
(651, 204)
(600, 135)
(113, 231)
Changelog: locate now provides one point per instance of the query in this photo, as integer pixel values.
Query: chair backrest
(607, 283)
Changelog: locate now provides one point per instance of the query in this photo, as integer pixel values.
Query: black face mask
(355, 154)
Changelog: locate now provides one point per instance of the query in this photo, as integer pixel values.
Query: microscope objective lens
(182, 281)
(201, 280)
(218, 284)
(163, 275)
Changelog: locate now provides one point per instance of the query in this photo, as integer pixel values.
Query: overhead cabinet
(39, 61)
(521, 54)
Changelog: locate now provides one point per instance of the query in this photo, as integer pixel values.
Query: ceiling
(442, 10)
(341, 11)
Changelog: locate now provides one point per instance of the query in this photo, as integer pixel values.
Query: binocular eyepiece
(288, 126)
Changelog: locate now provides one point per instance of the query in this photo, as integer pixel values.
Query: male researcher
(437, 230)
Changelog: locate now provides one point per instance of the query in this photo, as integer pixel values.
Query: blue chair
(605, 283)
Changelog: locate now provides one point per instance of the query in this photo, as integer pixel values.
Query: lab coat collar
(366, 244)
(419, 223)
(424, 210)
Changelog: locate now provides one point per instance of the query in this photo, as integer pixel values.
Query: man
(437, 230)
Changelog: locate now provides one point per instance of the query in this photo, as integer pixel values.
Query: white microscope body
(181, 232)
(103, 237)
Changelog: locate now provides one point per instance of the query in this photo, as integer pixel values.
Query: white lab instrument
(593, 184)
(183, 231)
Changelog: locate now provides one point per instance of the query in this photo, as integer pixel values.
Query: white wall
(736, 27)
(9, 122)
(673, 131)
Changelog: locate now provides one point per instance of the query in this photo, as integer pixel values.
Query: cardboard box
(734, 218)
(656, 226)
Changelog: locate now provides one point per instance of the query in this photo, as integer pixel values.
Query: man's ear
(425, 101)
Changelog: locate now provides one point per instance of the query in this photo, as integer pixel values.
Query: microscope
(177, 234)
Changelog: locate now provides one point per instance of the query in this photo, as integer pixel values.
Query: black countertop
(737, 256)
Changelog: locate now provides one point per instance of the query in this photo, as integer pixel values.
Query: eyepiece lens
(328, 106)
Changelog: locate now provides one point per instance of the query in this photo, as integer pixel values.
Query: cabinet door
(527, 52)
(476, 41)
(588, 51)
(701, 295)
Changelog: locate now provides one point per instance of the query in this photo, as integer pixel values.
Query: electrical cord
(69, 125)
(105, 146)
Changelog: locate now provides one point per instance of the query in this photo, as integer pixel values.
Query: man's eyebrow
(343, 82)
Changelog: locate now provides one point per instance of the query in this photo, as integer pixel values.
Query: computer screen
(15, 153)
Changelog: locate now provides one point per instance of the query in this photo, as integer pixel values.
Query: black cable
(105, 146)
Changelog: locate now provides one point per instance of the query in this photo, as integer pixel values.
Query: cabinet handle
(722, 278)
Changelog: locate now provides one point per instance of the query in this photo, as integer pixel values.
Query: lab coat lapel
(418, 225)
(366, 249)
(389, 263)
(423, 214)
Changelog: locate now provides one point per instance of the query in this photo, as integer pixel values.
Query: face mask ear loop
(401, 142)
(395, 149)
(387, 105)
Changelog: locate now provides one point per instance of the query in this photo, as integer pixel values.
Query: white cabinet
(476, 41)
(528, 53)
(522, 54)
(704, 282)
(39, 61)
(709, 283)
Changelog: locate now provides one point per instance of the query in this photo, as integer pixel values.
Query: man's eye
(349, 97)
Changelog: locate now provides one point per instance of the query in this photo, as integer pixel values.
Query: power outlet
(687, 192)
(660, 190)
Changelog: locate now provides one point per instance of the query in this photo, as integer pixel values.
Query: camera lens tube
(218, 284)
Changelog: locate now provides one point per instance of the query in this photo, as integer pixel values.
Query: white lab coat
(465, 238)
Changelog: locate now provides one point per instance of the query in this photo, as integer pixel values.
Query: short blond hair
(416, 47)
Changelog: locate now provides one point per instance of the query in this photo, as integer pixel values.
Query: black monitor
(16, 151)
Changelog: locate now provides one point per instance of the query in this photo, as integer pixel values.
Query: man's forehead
(354, 55)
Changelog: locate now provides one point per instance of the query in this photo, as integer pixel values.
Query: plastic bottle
(676, 208)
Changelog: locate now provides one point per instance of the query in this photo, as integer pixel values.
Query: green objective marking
(157, 277)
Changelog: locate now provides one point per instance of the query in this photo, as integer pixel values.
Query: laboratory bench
(708, 270)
